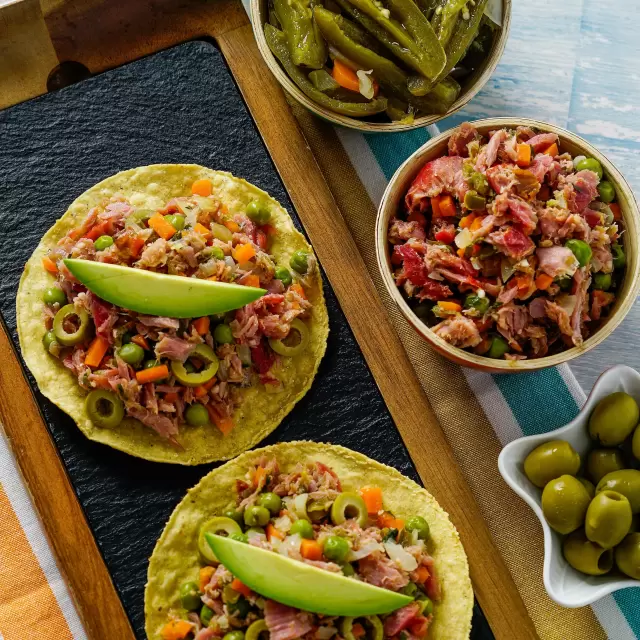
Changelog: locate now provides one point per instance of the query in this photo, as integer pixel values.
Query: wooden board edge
(70, 537)
(372, 328)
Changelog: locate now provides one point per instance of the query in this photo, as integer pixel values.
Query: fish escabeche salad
(168, 372)
(305, 515)
(509, 246)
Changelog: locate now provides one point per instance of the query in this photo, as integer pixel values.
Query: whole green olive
(551, 460)
(613, 419)
(603, 461)
(628, 556)
(635, 524)
(564, 503)
(635, 444)
(589, 486)
(586, 556)
(608, 519)
(626, 482)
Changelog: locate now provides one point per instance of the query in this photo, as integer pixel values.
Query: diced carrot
(543, 281)
(243, 253)
(250, 280)
(310, 550)
(345, 76)
(449, 306)
(202, 187)
(203, 389)
(615, 209)
(160, 225)
(141, 341)
(461, 252)
(358, 631)
(96, 231)
(435, 207)
(372, 497)
(389, 521)
(202, 325)
(551, 150)
(467, 220)
(153, 374)
(232, 225)
(203, 231)
(204, 577)
(259, 476)
(49, 265)
(133, 244)
(96, 351)
(272, 532)
(477, 223)
(176, 630)
(524, 155)
(416, 216)
(447, 207)
(224, 425)
(299, 290)
(171, 397)
(422, 574)
(240, 587)
(523, 282)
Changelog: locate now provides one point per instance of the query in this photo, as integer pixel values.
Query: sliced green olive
(283, 347)
(63, 321)
(372, 625)
(218, 525)
(105, 409)
(257, 630)
(195, 379)
(349, 505)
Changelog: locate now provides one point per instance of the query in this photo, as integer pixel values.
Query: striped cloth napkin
(34, 599)
(547, 73)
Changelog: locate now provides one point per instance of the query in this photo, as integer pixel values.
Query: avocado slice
(302, 585)
(158, 294)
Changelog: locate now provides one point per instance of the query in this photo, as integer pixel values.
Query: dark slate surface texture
(181, 105)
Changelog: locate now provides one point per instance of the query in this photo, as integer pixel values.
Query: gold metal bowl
(436, 147)
(471, 85)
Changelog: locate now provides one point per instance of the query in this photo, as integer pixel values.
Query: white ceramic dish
(565, 585)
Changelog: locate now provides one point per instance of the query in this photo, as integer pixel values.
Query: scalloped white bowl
(565, 585)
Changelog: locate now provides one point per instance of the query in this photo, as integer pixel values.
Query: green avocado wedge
(158, 294)
(302, 585)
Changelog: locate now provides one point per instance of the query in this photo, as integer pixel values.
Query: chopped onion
(464, 239)
(289, 546)
(256, 535)
(578, 159)
(493, 11)
(325, 633)
(506, 269)
(300, 506)
(434, 275)
(282, 524)
(365, 83)
(399, 555)
(229, 261)
(364, 551)
(244, 353)
(480, 293)
(476, 264)
(567, 302)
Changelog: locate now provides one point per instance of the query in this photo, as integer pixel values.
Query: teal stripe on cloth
(392, 150)
(627, 601)
(540, 400)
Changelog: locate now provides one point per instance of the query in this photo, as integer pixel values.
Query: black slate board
(180, 105)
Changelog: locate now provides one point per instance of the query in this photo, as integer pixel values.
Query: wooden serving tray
(122, 33)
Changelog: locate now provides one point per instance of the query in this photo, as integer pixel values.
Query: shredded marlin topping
(509, 246)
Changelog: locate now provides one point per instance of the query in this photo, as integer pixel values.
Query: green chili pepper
(410, 37)
(323, 81)
(304, 42)
(602, 281)
(427, 7)
(277, 43)
(446, 17)
(481, 305)
(619, 257)
(498, 347)
(581, 250)
(473, 201)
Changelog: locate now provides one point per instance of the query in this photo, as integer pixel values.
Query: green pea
(564, 283)
(239, 537)
(336, 548)
(217, 253)
(303, 528)
(206, 615)
(190, 596)
(222, 334)
(498, 347)
(300, 262)
(131, 353)
(348, 570)
(473, 301)
(602, 281)
(258, 212)
(234, 514)
(283, 274)
(150, 364)
(619, 257)
(419, 524)
(256, 516)
(103, 242)
(48, 339)
(197, 415)
(176, 221)
(53, 295)
(590, 164)
(234, 635)
(581, 250)
(270, 501)
(606, 191)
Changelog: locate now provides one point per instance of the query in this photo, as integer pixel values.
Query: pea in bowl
(564, 584)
